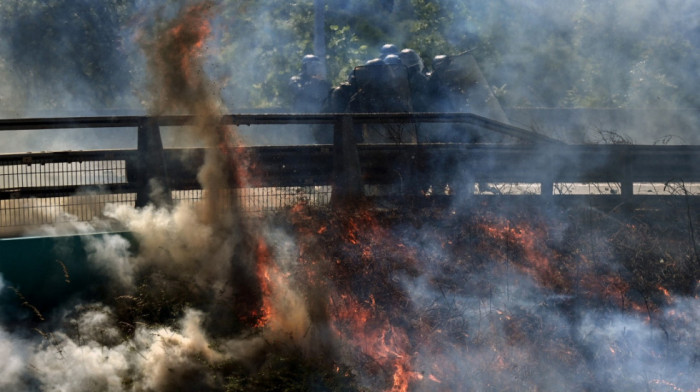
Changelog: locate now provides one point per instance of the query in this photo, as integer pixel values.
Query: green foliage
(59, 47)
(263, 44)
(549, 53)
(575, 54)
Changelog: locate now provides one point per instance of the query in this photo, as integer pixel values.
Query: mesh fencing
(48, 210)
(33, 192)
(17, 174)
(264, 199)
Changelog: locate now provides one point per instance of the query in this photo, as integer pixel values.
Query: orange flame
(367, 329)
(536, 258)
(189, 36)
(264, 265)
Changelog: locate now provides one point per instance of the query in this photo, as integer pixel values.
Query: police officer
(396, 90)
(339, 96)
(444, 96)
(417, 79)
(382, 86)
(310, 88)
(369, 80)
(309, 93)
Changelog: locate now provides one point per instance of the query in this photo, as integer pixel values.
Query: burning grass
(436, 300)
(489, 298)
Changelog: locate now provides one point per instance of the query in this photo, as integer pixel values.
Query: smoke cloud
(13, 353)
(205, 290)
(85, 58)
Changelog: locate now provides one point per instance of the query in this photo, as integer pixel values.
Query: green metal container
(39, 274)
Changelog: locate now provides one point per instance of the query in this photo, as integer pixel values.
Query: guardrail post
(151, 177)
(347, 182)
(627, 185)
(547, 189)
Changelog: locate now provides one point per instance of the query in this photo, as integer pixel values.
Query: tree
(66, 54)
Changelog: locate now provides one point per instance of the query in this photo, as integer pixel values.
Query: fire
(533, 258)
(188, 38)
(364, 328)
(360, 314)
(175, 58)
(264, 267)
(352, 266)
(665, 291)
(354, 260)
(403, 376)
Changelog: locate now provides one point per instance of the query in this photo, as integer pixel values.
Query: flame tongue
(363, 299)
(175, 59)
(188, 36)
(264, 272)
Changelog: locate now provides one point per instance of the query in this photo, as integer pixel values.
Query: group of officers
(395, 82)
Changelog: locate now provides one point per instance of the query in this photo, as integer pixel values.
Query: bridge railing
(37, 188)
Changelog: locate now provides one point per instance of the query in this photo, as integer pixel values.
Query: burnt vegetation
(394, 296)
(581, 260)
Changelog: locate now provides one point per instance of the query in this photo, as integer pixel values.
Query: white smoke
(61, 364)
(94, 356)
(111, 254)
(92, 351)
(517, 334)
(174, 240)
(13, 353)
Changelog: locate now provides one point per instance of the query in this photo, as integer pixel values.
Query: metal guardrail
(44, 187)
(274, 118)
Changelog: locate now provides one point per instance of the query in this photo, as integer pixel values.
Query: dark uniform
(310, 88)
(445, 94)
(417, 79)
(310, 91)
(382, 87)
(340, 96)
(457, 85)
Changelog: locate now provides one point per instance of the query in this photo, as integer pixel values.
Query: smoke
(624, 54)
(92, 355)
(204, 289)
(110, 254)
(66, 56)
(631, 351)
(598, 46)
(503, 327)
(193, 256)
(13, 351)
(180, 263)
(174, 240)
(63, 58)
(13, 354)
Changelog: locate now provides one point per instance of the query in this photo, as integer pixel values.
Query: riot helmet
(392, 59)
(311, 66)
(388, 49)
(439, 61)
(309, 57)
(411, 59)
